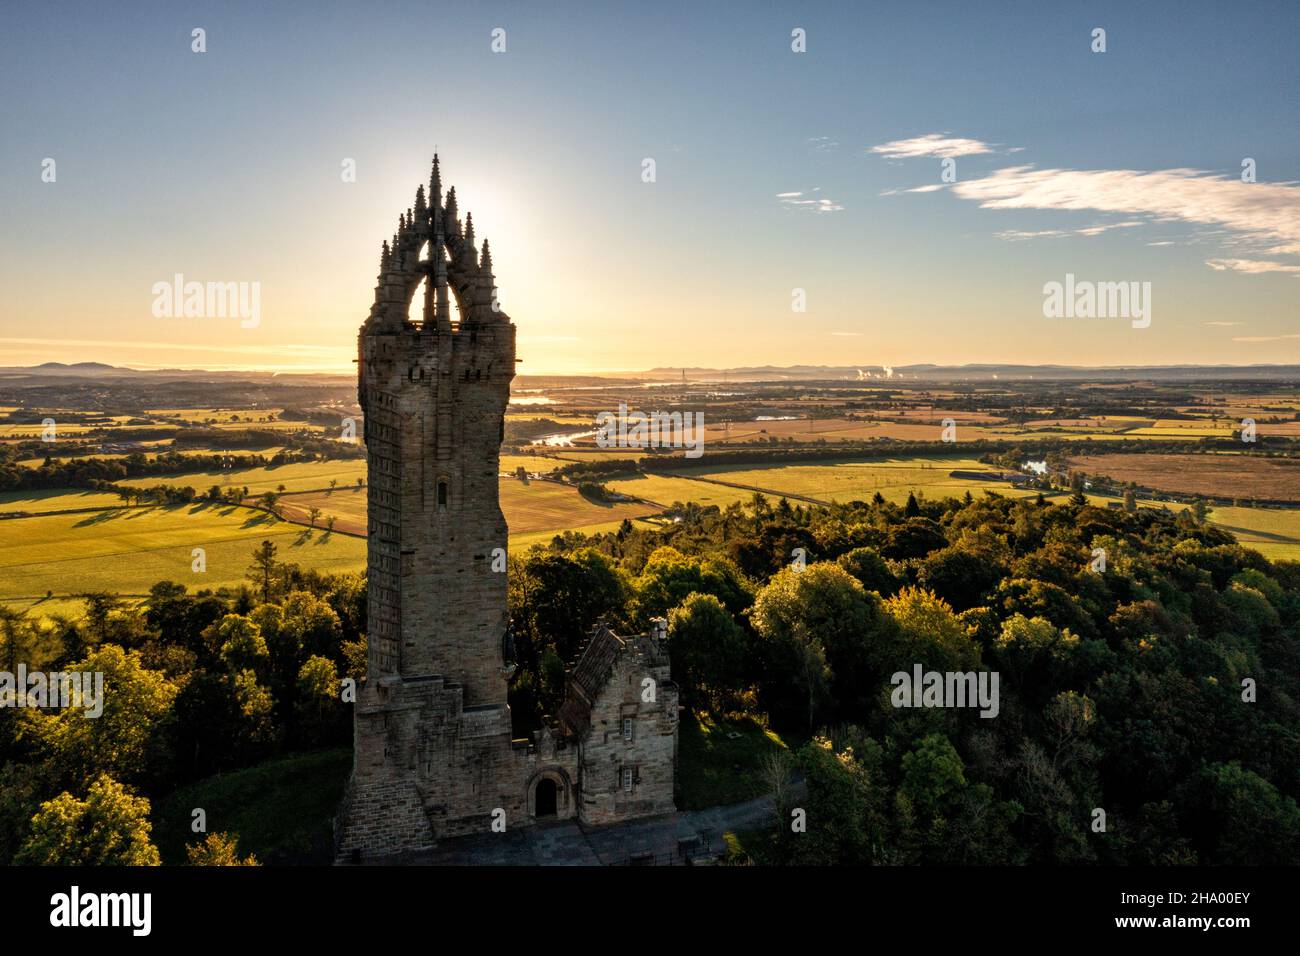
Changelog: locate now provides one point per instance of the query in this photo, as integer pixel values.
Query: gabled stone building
(434, 753)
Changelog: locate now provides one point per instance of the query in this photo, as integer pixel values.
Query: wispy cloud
(808, 200)
(932, 144)
(1266, 338)
(1222, 324)
(823, 144)
(1252, 266)
(1017, 234)
(1266, 214)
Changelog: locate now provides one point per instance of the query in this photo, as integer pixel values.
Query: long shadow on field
(1269, 535)
(99, 517)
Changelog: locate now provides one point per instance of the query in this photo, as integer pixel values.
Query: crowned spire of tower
(435, 183)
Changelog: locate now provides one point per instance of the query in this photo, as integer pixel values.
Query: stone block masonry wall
(649, 754)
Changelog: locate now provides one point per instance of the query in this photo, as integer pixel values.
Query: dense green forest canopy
(1148, 702)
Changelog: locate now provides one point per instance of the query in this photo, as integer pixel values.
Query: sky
(798, 213)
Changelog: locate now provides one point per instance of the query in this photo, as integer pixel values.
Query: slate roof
(589, 677)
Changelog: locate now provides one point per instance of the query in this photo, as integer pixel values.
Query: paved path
(665, 840)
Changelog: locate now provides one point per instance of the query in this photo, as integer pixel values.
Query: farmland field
(894, 478)
(665, 489)
(58, 499)
(297, 476)
(910, 427)
(1273, 532)
(544, 506)
(1237, 476)
(535, 464)
(128, 550)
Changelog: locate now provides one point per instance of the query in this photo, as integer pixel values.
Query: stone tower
(433, 749)
(434, 394)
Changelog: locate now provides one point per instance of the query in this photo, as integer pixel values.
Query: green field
(524, 541)
(665, 489)
(533, 464)
(538, 506)
(128, 550)
(843, 481)
(1273, 532)
(298, 476)
(57, 499)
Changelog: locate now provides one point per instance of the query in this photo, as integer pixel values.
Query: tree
(932, 775)
(100, 606)
(931, 634)
(818, 626)
(242, 644)
(1078, 499)
(707, 648)
(264, 567)
(961, 575)
(19, 637)
(871, 570)
(555, 600)
(911, 509)
(311, 625)
(318, 697)
(1254, 823)
(840, 805)
(217, 849)
(110, 827)
(128, 739)
(669, 577)
(329, 525)
(313, 513)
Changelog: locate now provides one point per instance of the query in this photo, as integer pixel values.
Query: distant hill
(97, 371)
(977, 373)
(53, 372)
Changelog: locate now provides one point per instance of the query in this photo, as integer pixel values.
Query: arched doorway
(545, 798)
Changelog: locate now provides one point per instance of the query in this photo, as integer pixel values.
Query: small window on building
(627, 779)
(627, 728)
(442, 494)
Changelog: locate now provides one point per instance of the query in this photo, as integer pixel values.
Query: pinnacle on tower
(469, 228)
(450, 206)
(435, 183)
(485, 260)
(420, 207)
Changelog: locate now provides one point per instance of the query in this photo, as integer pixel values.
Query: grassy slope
(714, 768)
(281, 810)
